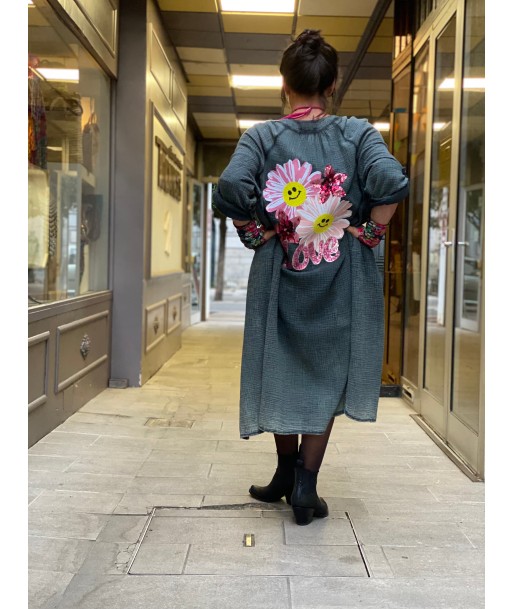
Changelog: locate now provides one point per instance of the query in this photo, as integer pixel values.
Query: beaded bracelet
(251, 234)
(372, 233)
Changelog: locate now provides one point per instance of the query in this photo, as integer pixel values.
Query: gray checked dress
(313, 336)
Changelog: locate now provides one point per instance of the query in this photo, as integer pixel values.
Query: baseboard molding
(454, 457)
(390, 391)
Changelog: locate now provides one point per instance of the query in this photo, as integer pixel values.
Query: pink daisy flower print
(320, 221)
(289, 185)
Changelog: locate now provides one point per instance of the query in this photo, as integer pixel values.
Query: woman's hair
(309, 64)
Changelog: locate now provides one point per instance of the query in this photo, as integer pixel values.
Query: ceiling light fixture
(59, 74)
(439, 126)
(473, 84)
(382, 126)
(260, 6)
(252, 82)
(246, 123)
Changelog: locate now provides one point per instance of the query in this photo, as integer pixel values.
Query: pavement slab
(157, 592)
(141, 500)
(387, 593)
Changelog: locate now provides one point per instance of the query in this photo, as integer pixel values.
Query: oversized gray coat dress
(313, 337)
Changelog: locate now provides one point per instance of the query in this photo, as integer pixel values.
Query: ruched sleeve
(383, 178)
(238, 189)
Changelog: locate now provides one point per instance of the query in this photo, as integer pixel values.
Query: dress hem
(246, 436)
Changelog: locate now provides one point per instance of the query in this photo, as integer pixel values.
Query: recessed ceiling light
(475, 84)
(382, 126)
(251, 82)
(59, 74)
(439, 126)
(246, 123)
(257, 6)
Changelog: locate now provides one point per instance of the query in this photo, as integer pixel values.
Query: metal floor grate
(249, 539)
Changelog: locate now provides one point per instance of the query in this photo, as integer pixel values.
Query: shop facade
(110, 224)
(434, 270)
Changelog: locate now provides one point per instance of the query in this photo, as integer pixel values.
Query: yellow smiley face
(294, 194)
(322, 223)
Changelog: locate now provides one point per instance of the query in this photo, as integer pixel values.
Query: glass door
(451, 396)
(439, 256)
(466, 407)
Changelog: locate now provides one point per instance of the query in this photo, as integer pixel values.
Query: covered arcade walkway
(140, 500)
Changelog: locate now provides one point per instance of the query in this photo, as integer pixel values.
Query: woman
(299, 191)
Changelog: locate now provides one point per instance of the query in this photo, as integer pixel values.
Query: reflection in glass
(439, 214)
(395, 271)
(414, 228)
(68, 163)
(196, 248)
(467, 327)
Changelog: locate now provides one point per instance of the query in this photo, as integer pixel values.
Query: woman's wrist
(240, 223)
(371, 234)
(251, 234)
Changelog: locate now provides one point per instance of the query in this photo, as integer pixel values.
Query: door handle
(463, 243)
(448, 244)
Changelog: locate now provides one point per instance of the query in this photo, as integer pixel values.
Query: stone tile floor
(140, 500)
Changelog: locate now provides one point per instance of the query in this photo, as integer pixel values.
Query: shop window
(414, 226)
(68, 163)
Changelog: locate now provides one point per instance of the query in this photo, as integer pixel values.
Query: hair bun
(310, 40)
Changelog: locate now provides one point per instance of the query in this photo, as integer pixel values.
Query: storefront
(435, 249)
(69, 184)
(110, 235)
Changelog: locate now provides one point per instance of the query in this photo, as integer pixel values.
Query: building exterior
(434, 277)
(132, 119)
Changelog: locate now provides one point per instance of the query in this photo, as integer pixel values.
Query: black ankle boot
(305, 502)
(281, 484)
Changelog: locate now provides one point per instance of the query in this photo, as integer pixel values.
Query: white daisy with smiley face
(289, 186)
(320, 221)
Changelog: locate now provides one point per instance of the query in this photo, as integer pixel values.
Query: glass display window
(69, 104)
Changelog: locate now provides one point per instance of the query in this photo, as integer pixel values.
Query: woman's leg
(286, 445)
(313, 448)
(305, 501)
(282, 482)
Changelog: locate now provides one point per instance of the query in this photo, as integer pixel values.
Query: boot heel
(287, 498)
(303, 515)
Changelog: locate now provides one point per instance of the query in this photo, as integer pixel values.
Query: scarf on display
(36, 122)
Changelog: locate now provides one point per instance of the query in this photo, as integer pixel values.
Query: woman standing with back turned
(299, 191)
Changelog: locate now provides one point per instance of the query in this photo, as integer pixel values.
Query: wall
(165, 286)
(68, 355)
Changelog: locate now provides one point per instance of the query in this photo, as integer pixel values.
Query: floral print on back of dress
(309, 209)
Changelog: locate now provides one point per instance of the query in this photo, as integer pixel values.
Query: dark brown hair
(309, 64)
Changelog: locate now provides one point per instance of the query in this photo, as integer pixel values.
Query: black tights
(313, 446)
